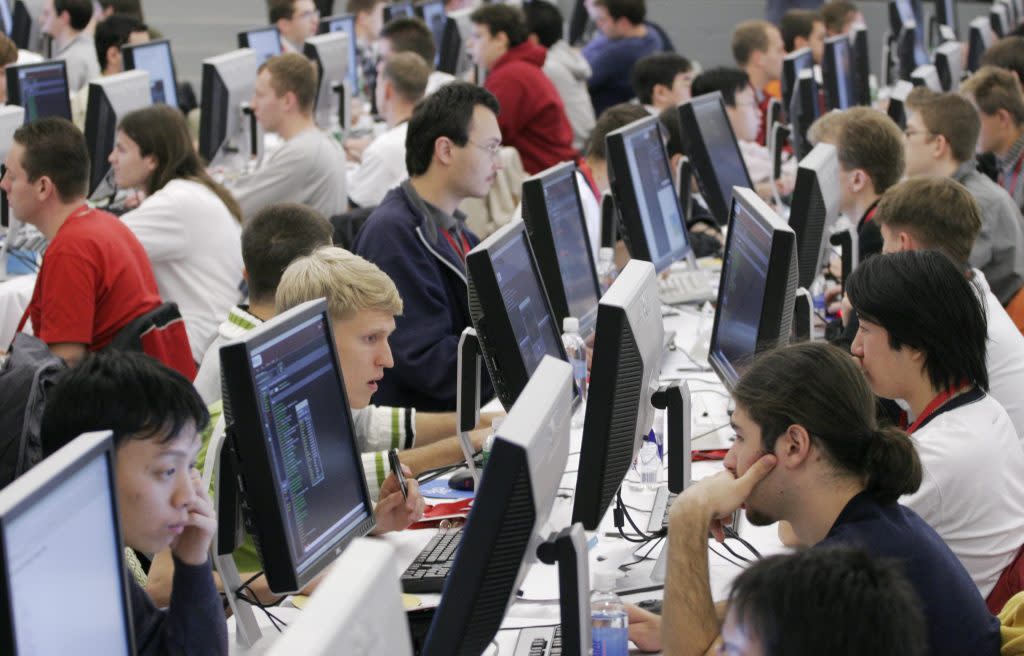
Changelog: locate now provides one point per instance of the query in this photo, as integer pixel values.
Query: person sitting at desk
(809, 450)
(65, 22)
(405, 34)
(941, 136)
(295, 20)
(1008, 53)
(188, 224)
(111, 34)
(840, 16)
(662, 81)
(401, 83)
(369, 18)
(972, 492)
(803, 28)
(309, 168)
(95, 278)
(996, 93)
(155, 416)
(758, 49)
(532, 118)
(418, 237)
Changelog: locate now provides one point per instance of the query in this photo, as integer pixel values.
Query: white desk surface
(15, 294)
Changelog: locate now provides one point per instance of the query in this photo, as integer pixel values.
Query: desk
(15, 294)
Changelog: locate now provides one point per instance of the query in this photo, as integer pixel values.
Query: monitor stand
(803, 315)
(776, 141)
(467, 399)
(568, 549)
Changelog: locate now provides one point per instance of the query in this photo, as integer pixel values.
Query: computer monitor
(949, 65)
(792, 65)
(999, 19)
(512, 505)
(265, 41)
(110, 98)
(21, 25)
(155, 58)
(860, 65)
(356, 609)
(330, 54)
(510, 310)
(298, 459)
(758, 291)
(926, 76)
(804, 110)
(641, 182)
(6, 20)
(553, 214)
(346, 23)
(61, 548)
(398, 10)
(432, 13)
(905, 22)
(42, 89)
(228, 82)
(623, 375)
(1012, 17)
(946, 14)
(453, 57)
(897, 110)
(837, 73)
(979, 38)
(814, 209)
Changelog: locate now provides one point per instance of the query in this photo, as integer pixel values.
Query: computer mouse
(652, 605)
(461, 480)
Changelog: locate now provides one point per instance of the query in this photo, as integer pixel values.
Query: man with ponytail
(809, 451)
(922, 340)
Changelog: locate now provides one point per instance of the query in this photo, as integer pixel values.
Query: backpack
(25, 380)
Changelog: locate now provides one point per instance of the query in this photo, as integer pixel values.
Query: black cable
(735, 555)
(723, 557)
(732, 533)
(248, 595)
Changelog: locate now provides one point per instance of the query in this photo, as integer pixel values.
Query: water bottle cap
(606, 253)
(604, 579)
(570, 325)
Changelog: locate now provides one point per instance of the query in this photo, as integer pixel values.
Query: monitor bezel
(14, 88)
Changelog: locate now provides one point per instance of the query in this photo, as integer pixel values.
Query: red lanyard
(871, 214)
(930, 409)
(460, 249)
(1016, 175)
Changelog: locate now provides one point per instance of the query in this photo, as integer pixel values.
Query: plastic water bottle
(648, 462)
(576, 352)
(489, 441)
(607, 272)
(609, 622)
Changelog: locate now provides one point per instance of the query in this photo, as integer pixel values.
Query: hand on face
(393, 513)
(193, 545)
(723, 493)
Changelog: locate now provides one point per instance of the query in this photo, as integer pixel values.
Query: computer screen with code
(568, 231)
(656, 196)
(44, 91)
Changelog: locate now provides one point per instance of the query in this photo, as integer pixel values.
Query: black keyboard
(430, 568)
(539, 641)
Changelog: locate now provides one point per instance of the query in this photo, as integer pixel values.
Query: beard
(758, 518)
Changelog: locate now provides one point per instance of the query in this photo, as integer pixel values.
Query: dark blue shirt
(611, 64)
(958, 622)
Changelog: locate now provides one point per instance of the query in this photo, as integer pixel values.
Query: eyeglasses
(494, 149)
(307, 15)
(908, 133)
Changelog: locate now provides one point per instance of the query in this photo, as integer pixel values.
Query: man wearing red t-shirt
(95, 277)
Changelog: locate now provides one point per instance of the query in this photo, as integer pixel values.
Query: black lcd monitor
(860, 65)
(897, 109)
(709, 142)
(646, 198)
(329, 53)
(949, 65)
(792, 65)
(398, 10)
(756, 297)
(6, 19)
(510, 310)
(623, 375)
(979, 38)
(927, 76)
(804, 110)
(946, 14)
(837, 73)
(504, 529)
(110, 98)
(61, 548)
(999, 20)
(553, 214)
(156, 59)
(42, 89)
(300, 469)
(907, 29)
(21, 24)
(813, 210)
(346, 23)
(228, 82)
(432, 13)
(266, 41)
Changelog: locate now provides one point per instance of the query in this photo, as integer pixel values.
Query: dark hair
(836, 601)
(797, 22)
(79, 11)
(54, 147)
(728, 80)
(131, 8)
(818, 386)
(280, 9)
(410, 35)
(635, 11)
(162, 131)
(545, 20)
(924, 301)
(659, 68)
(129, 393)
(448, 112)
(673, 128)
(277, 235)
(612, 119)
(114, 32)
(836, 13)
(1007, 53)
(502, 18)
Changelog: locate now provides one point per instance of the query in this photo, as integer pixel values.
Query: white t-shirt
(194, 244)
(382, 168)
(1005, 357)
(972, 490)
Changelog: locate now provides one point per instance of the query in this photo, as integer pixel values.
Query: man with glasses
(942, 131)
(296, 21)
(419, 238)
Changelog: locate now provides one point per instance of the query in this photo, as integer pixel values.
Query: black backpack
(25, 380)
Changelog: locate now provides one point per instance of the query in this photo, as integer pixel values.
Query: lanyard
(871, 214)
(930, 409)
(1016, 175)
(460, 249)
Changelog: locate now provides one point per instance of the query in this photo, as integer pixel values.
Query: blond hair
(347, 281)
(826, 129)
(993, 89)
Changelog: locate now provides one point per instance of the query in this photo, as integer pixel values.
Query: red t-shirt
(95, 278)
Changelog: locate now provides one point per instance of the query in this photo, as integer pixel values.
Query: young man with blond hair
(996, 94)
(758, 49)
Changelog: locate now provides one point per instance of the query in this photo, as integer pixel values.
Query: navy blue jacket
(431, 278)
